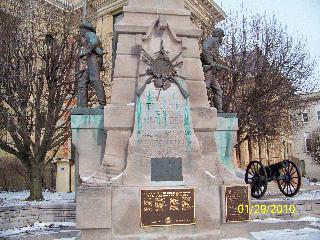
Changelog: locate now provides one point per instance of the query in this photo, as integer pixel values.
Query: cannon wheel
(289, 181)
(256, 176)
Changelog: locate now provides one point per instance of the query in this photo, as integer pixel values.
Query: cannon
(286, 173)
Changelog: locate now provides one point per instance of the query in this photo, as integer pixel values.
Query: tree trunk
(250, 149)
(260, 149)
(35, 185)
(268, 152)
(238, 152)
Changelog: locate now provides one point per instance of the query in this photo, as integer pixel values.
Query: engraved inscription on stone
(235, 196)
(165, 207)
(166, 169)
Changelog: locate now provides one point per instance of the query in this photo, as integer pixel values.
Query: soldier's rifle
(218, 66)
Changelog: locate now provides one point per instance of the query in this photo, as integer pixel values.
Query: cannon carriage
(286, 173)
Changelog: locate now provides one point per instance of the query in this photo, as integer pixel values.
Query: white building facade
(310, 121)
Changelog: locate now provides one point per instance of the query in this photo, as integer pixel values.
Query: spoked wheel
(289, 181)
(256, 176)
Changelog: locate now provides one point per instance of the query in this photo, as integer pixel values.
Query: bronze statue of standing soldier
(92, 52)
(211, 65)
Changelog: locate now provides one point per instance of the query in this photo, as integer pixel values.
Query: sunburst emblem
(162, 71)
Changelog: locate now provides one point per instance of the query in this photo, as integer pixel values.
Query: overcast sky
(301, 17)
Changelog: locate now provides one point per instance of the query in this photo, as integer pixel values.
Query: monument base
(114, 212)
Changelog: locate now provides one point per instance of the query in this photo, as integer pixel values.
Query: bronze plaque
(236, 196)
(165, 207)
(166, 169)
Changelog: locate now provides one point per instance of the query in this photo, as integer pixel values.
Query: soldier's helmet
(87, 25)
(217, 32)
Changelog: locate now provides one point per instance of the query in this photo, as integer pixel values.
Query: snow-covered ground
(303, 195)
(37, 228)
(18, 198)
(276, 220)
(299, 234)
(65, 239)
(310, 230)
(315, 183)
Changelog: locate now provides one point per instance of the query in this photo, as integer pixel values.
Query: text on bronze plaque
(165, 207)
(236, 196)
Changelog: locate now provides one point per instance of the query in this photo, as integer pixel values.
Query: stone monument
(160, 165)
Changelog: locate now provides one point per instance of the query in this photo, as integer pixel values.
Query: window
(307, 140)
(318, 116)
(305, 117)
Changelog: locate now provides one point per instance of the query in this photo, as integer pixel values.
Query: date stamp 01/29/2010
(266, 209)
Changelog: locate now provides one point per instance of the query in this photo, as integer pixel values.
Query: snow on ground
(276, 220)
(307, 195)
(299, 234)
(38, 228)
(236, 239)
(65, 239)
(18, 198)
(315, 183)
(306, 233)
(316, 224)
(304, 195)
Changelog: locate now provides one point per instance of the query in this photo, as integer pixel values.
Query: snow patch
(315, 183)
(276, 220)
(305, 195)
(268, 220)
(36, 227)
(65, 239)
(18, 198)
(210, 174)
(236, 239)
(315, 224)
(299, 234)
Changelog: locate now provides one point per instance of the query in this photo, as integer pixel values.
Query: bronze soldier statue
(93, 53)
(210, 60)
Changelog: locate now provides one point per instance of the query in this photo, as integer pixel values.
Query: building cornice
(63, 4)
(207, 8)
(207, 11)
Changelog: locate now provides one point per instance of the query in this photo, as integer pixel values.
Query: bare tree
(38, 49)
(272, 67)
(314, 148)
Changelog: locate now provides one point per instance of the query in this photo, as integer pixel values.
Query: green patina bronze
(87, 121)
(164, 103)
(138, 115)
(149, 100)
(225, 139)
(187, 126)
